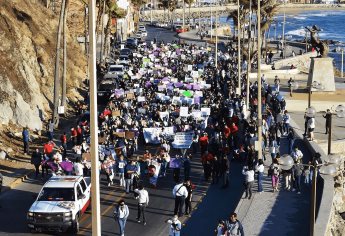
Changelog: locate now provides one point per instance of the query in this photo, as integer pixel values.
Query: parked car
(60, 204)
(126, 51)
(114, 71)
(180, 29)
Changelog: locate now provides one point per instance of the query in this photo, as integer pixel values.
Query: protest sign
(206, 111)
(119, 134)
(141, 99)
(184, 111)
(196, 114)
(190, 67)
(195, 74)
(129, 134)
(116, 113)
(175, 163)
(163, 115)
(183, 140)
(130, 95)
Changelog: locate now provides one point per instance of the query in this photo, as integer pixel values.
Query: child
(306, 174)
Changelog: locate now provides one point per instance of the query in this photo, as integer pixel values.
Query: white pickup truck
(60, 204)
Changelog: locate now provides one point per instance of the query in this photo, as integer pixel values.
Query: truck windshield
(56, 194)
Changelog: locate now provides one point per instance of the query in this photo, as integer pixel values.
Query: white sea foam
(297, 32)
(300, 17)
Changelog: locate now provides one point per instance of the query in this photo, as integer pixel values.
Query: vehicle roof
(115, 66)
(62, 181)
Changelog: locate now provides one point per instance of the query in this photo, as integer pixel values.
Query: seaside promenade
(286, 211)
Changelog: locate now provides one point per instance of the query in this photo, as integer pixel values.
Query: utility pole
(183, 15)
(64, 73)
(151, 11)
(342, 63)
(216, 49)
(239, 46)
(249, 45)
(211, 19)
(55, 118)
(330, 135)
(95, 192)
(283, 36)
(259, 84)
(102, 34)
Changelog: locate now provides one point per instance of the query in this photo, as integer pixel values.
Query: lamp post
(183, 16)
(328, 168)
(342, 63)
(249, 45)
(239, 46)
(95, 193)
(216, 48)
(258, 15)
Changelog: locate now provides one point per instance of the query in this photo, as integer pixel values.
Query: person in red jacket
(203, 141)
(226, 132)
(48, 149)
(79, 135)
(74, 136)
(234, 133)
(63, 139)
(206, 161)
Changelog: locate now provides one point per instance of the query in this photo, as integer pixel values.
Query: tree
(137, 5)
(268, 8)
(165, 5)
(113, 12)
(189, 3)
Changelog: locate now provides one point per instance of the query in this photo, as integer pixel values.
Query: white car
(114, 71)
(60, 204)
(143, 32)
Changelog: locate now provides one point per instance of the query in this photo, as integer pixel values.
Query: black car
(104, 90)
(131, 43)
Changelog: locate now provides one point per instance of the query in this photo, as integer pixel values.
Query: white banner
(183, 140)
(184, 112)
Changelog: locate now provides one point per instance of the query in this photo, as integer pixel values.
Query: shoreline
(297, 8)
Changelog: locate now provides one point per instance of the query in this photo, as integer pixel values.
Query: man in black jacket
(36, 160)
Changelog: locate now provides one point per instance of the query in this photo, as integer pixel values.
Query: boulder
(3, 155)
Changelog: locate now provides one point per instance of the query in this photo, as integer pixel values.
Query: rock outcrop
(27, 56)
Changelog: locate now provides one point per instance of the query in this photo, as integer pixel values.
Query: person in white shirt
(180, 192)
(121, 214)
(175, 226)
(78, 168)
(260, 169)
(248, 172)
(286, 122)
(311, 127)
(297, 155)
(143, 201)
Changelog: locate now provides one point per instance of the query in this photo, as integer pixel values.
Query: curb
(18, 181)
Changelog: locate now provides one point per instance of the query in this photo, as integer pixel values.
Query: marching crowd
(170, 89)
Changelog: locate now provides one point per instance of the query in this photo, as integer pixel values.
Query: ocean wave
(297, 32)
(300, 17)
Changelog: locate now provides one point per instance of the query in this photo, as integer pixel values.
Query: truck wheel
(75, 225)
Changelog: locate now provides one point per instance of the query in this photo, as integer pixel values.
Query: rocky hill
(27, 57)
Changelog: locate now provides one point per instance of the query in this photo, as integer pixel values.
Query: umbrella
(187, 93)
(66, 166)
(178, 84)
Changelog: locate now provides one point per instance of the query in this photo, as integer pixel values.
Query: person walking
(63, 139)
(130, 170)
(26, 139)
(188, 200)
(234, 226)
(175, 226)
(180, 193)
(143, 202)
(260, 168)
(297, 171)
(36, 160)
(274, 172)
(297, 155)
(311, 127)
(286, 122)
(328, 117)
(187, 167)
(248, 172)
(224, 170)
(121, 214)
(121, 170)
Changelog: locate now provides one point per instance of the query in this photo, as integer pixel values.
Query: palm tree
(113, 12)
(189, 3)
(172, 5)
(137, 5)
(268, 8)
(165, 5)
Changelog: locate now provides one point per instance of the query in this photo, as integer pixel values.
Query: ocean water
(331, 22)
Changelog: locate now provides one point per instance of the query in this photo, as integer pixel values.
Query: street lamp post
(342, 63)
(95, 193)
(340, 113)
(183, 15)
(239, 46)
(327, 168)
(258, 15)
(216, 48)
(249, 58)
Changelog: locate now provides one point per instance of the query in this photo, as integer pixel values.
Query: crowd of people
(170, 89)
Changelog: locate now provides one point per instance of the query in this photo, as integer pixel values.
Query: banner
(151, 135)
(206, 111)
(175, 163)
(183, 140)
(184, 112)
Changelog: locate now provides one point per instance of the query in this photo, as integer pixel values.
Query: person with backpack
(180, 193)
(274, 172)
(234, 226)
(121, 214)
(260, 168)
